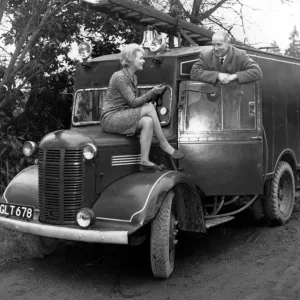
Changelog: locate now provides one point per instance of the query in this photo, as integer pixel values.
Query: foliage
(274, 48)
(37, 36)
(294, 46)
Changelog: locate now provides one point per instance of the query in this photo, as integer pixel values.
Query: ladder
(147, 16)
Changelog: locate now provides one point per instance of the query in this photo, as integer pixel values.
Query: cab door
(221, 134)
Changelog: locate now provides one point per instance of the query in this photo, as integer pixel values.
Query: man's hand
(232, 77)
(224, 78)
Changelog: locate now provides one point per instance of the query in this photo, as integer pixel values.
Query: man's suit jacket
(207, 68)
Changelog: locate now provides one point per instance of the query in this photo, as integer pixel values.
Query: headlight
(85, 50)
(89, 151)
(85, 217)
(29, 148)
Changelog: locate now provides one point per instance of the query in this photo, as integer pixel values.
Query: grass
(14, 247)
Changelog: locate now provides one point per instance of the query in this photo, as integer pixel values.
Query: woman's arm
(123, 86)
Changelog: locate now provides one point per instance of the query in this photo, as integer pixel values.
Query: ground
(237, 261)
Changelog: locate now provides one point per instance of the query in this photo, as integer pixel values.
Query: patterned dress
(121, 111)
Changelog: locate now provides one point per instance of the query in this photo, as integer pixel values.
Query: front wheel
(280, 202)
(162, 239)
(46, 245)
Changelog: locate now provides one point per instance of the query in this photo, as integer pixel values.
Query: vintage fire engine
(241, 145)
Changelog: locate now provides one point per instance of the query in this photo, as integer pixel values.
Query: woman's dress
(121, 111)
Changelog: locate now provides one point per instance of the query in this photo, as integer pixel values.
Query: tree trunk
(196, 10)
(3, 5)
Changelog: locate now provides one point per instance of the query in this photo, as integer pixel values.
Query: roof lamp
(158, 44)
(85, 50)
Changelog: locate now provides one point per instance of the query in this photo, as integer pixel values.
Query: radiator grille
(60, 185)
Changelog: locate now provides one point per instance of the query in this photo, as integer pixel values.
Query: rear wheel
(280, 202)
(162, 239)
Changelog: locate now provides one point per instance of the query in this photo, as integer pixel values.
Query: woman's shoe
(153, 168)
(177, 155)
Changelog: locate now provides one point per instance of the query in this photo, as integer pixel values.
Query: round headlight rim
(91, 214)
(33, 145)
(95, 153)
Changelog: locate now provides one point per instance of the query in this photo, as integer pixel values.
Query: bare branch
(211, 11)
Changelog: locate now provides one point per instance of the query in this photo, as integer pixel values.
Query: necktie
(221, 60)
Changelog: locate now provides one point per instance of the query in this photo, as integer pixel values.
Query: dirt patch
(237, 261)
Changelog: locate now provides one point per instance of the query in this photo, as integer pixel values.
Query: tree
(274, 48)
(35, 68)
(294, 46)
(40, 34)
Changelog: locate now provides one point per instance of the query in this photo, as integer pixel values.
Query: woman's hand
(158, 89)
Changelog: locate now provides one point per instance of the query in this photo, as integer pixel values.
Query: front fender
(23, 189)
(137, 197)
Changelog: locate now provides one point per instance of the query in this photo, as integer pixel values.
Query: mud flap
(190, 214)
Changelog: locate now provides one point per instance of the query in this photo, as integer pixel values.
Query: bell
(148, 37)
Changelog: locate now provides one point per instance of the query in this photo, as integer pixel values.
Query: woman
(124, 113)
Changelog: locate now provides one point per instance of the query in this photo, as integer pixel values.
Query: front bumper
(66, 233)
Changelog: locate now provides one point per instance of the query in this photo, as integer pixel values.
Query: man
(225, 63)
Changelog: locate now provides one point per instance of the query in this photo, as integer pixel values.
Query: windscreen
(88, 102)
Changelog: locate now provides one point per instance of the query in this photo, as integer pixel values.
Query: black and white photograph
(150, 149)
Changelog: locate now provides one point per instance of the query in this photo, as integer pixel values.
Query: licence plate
(15, 210)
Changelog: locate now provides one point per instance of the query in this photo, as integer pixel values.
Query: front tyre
(280, 202)
(46, 245)
(162, 239)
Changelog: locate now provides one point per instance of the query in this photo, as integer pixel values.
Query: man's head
(221, 43)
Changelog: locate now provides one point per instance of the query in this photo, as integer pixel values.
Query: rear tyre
(162, 239)
(280, 202)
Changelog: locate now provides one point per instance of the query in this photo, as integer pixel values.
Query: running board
(217, 221)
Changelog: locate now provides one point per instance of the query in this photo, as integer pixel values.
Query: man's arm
(250, 71)
(199, 73)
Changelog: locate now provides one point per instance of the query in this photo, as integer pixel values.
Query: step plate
(217, 221)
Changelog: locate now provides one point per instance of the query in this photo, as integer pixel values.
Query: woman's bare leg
(146, 126)
(149, 110)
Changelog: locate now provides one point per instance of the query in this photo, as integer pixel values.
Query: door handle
(256, 138)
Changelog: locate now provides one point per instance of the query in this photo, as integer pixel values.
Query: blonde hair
(128, 54)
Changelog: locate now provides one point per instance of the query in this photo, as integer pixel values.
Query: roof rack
(147, 16)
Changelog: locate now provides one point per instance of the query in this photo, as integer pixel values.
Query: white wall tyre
(163, 239)
(280, 202)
